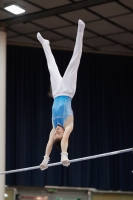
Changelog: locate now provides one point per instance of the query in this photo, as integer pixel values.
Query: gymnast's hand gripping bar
(71, 161)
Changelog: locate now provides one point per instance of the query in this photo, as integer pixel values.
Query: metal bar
(71, 161)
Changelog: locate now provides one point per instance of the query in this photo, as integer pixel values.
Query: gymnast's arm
(67, 132)
(50, 143)
(44, 164)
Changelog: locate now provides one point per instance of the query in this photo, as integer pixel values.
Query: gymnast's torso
(61, 111)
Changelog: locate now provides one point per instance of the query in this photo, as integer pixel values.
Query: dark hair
(57, 143)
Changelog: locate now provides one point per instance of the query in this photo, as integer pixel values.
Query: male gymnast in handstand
(63, 90)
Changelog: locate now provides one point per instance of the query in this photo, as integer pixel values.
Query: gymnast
(63, 90)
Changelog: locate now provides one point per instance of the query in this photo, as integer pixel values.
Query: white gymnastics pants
(65, 85)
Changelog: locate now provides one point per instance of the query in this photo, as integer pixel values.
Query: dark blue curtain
(103, 111)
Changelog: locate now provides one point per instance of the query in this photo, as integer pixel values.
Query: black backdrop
(103, 110)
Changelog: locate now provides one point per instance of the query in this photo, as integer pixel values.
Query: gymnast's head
(59, 131)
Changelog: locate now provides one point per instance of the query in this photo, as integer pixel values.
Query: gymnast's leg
(70, 76)
(52, 66)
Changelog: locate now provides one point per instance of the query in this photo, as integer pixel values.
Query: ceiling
(109, 24)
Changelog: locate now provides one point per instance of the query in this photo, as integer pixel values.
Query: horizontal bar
(71, 161)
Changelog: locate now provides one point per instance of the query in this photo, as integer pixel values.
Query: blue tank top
(61, 110)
